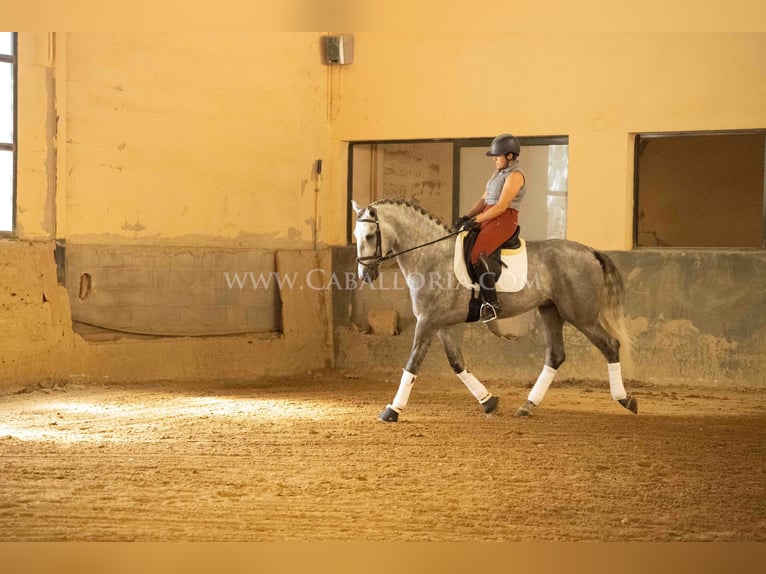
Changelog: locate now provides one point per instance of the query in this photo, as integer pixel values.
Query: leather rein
(379, 258)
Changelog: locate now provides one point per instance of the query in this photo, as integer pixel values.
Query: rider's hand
(468, 224)
(459, 222)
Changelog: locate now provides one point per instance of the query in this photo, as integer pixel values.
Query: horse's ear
(358, 209)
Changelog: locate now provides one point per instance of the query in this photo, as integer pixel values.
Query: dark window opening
(700, 190)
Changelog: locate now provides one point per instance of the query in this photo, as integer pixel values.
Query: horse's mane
(412, 205)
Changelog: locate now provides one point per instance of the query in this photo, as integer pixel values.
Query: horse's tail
(612, 315)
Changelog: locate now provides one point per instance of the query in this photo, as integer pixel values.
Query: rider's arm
(477, 207)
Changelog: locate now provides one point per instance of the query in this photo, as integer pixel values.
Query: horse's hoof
(490, 405)
(630, 403)
(525, 410)
(389, 415)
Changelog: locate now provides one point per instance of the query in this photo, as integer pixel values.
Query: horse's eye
(369, 237)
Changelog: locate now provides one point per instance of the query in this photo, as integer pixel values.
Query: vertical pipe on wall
(316, 200)
(333, 92)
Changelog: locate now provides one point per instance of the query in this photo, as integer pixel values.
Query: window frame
(13, 60)
(659, 135)
(457, 145)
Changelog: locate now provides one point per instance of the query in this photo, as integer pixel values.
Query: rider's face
(500, 161)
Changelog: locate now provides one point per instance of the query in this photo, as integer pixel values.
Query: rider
(496, 213)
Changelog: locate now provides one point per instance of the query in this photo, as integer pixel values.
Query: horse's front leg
(424, 336)
(452, 346)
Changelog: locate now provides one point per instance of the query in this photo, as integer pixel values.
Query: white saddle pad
(513, 276)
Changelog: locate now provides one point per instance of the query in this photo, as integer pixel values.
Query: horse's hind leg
(553, 330)
(610, 348)
(487, 400)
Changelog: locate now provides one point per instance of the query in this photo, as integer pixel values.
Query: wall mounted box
(338, 49)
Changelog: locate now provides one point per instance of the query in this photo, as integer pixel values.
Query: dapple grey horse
(572, 282)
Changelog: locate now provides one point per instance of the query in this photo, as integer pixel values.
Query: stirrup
(488, 311)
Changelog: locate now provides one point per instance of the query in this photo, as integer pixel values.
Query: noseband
(378, 257)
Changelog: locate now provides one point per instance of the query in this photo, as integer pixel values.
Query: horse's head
(369, 242)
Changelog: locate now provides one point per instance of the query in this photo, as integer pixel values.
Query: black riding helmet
(504, 144)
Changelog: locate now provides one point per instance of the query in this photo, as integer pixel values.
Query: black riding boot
(490, 308)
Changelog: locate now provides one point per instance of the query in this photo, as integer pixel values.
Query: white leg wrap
(403, 394)
(544, 380)
(474, 385)
(615, 381)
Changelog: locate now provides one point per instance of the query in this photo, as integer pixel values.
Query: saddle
(508, 262)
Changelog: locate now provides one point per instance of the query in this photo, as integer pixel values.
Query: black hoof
(630, 403)
(389, 415)
(525, 410)
(490, 405)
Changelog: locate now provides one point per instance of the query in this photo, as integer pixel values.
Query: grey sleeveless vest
(497, 181)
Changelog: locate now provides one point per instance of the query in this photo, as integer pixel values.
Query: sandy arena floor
(303, 458)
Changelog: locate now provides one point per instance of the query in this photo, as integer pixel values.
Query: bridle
(379, 258)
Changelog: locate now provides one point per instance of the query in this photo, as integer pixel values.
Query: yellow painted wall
(598, 89)
(193, 138)
(35, 214)
(211, 138)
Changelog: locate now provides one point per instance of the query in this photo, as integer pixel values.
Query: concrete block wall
(39, 346)
(696, 317)
(173, 290)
